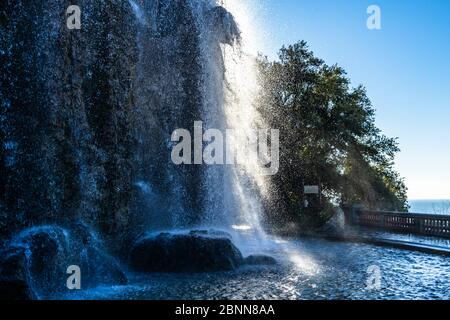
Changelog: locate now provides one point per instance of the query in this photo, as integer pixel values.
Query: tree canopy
(327, 134)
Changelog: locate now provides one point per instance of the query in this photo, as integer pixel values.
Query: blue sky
(405, 67)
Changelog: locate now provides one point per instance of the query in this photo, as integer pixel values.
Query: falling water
(224, 73)
(240, 112)
(234, 192)
(138, 12)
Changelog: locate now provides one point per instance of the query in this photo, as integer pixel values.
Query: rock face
(224, 26)
(80, 110)
(198, 251)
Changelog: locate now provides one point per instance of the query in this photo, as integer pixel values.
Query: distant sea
(430, 206)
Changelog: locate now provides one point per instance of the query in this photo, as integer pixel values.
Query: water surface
(308, 269)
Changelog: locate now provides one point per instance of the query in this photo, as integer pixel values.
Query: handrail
(411, 214)
(415, 223)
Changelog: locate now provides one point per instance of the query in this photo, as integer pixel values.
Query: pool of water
(308, 269)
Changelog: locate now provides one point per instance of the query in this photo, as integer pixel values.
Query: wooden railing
(415, 223)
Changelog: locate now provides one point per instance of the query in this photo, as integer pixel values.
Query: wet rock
(224, 25)
(197, 251)
(13, 264)
(34, 264)
(260, 260)
(98, 267)
(13, 277)
(35, 260)
(47, 250)
(101, 269)
(14, 289)
(211, 233)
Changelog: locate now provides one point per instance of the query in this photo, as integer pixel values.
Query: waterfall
(86, 127)
(241, 79)
(234, 192)
(222, 83)
(90, 121)
(137, 10)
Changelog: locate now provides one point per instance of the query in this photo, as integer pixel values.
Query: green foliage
(327, 135)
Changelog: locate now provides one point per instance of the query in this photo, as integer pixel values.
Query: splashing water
(138, 12)
(242, 89)
(221, 45)
(234, 193)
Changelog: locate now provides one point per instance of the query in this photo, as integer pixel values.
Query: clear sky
(405, 67)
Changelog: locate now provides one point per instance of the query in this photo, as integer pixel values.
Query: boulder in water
(34, 264)
(100, 269)
(211, 233)
(14, 289)
(260, 260)
(197, 251)
(14, 283)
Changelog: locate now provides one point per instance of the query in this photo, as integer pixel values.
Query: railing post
(383, 220)
(422, 226)
(355, 213)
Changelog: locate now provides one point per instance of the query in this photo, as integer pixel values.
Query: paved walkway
(376, 237)
(424, 240)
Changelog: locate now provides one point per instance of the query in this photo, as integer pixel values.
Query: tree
(328, 134)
